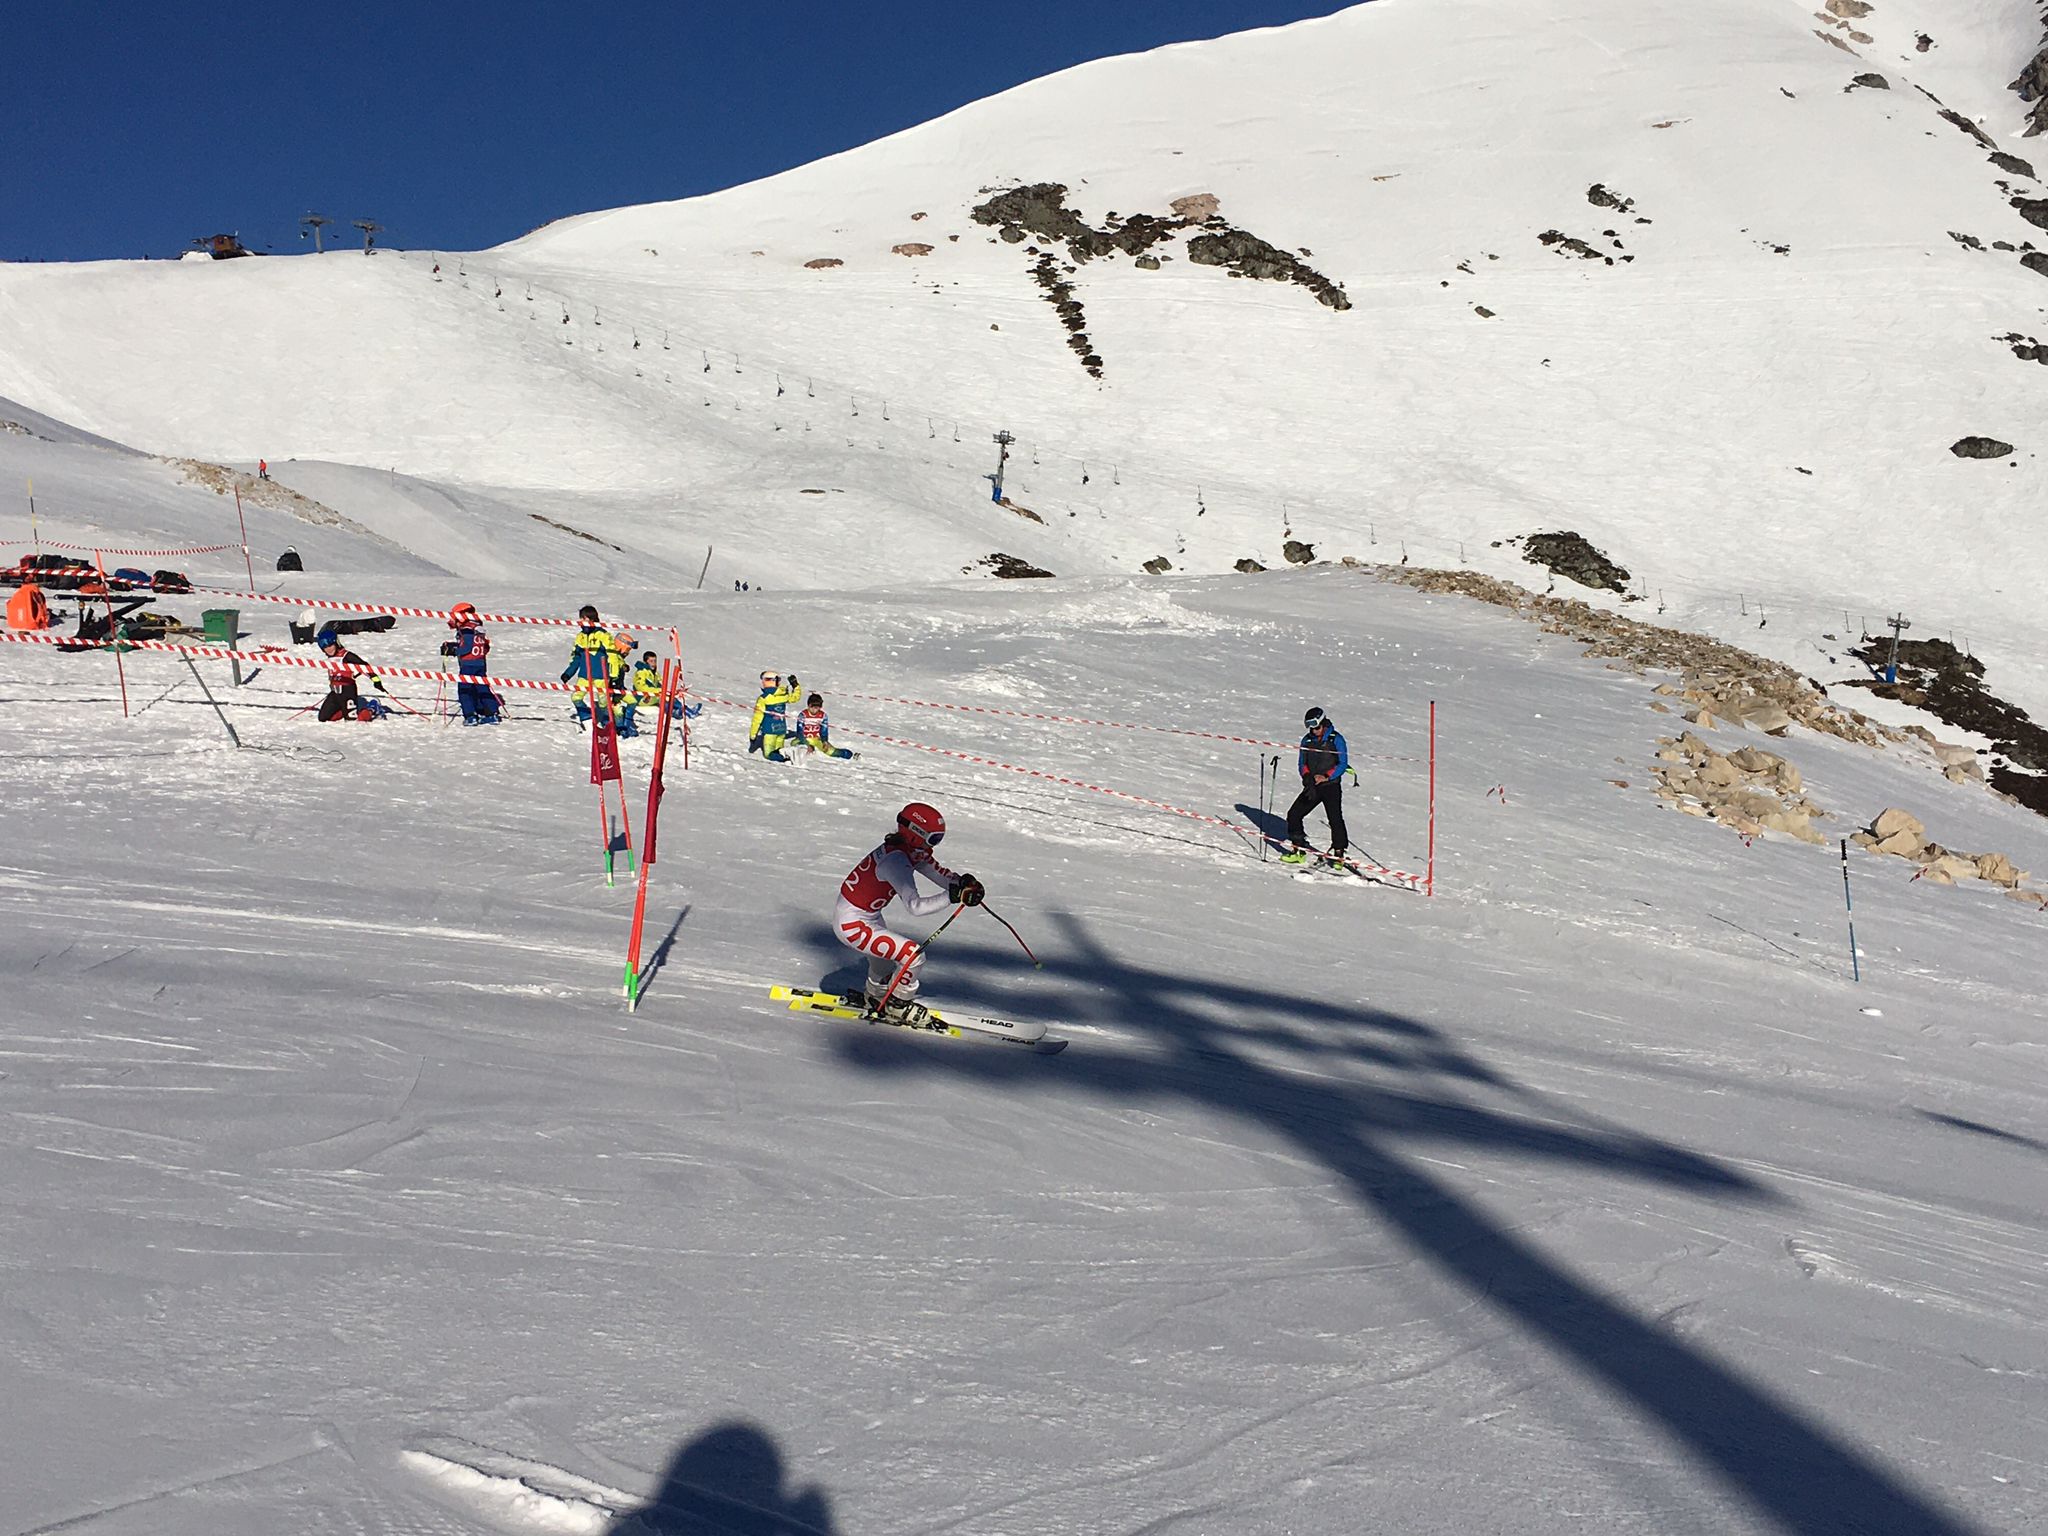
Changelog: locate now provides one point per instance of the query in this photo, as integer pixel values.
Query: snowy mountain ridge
(1749, 387)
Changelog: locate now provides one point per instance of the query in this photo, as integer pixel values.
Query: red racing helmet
(921, 825)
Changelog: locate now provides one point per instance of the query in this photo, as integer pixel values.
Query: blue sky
(127, 129)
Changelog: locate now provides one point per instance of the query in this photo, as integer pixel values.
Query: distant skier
(263, 469)
(769, 728)
(471, 647)
(590, 663)
(814, 730)
(884, 883)
(1322, 763)
(343, 701)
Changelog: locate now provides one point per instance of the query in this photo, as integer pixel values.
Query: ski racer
(471, 647)
(589, 663)
(770, 726)
(884, 885)
(343, 702)
(814, 730)
(1322, 763)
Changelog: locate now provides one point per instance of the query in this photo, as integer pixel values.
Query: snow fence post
(1855, 965)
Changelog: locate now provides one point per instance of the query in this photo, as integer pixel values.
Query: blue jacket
(1324, 757)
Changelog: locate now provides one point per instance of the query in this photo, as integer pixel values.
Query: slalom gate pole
(1429, 875)
(604, 813)
(1855, 965)
(34, 527)
(670, 670)
(246, 565)
(992, 912)
(1262, 806)
(903, 970)
(625, 821)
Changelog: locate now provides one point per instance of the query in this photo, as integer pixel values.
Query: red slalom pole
(1429, 877)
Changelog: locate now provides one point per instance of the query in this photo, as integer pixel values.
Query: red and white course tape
(1399, 877)
(102, 549)
(338, 606)
(277, 659)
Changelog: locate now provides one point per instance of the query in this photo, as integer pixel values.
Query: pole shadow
(1416, 1087)
(656, 960)
(730, 1481)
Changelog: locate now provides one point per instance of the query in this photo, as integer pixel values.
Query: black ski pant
(340, 703)
(1330, 796)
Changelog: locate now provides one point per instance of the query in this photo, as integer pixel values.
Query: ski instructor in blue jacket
(1322, 763)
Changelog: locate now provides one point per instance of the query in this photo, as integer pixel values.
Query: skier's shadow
(1410, 1085)
(729, 1481)
(1270, 824)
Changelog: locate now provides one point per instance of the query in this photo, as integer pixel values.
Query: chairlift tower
(315, 222)
(370, 229)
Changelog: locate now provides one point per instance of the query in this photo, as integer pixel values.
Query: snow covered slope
(1747, 390)
(341, 1194)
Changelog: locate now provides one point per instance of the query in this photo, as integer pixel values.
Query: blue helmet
(325, 638)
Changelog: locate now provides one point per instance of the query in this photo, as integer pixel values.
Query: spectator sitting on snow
(814, 730)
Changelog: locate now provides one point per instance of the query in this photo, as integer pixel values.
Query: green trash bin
(224, 627)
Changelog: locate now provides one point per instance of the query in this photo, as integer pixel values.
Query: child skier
(770, 726)
(471, 647)
(889, 875)
(644, 687)
(814, 730)
(343, 702)
(589, 663)
(1322, 763)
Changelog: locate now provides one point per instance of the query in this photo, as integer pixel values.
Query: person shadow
(1268, 824)
(730, 1481)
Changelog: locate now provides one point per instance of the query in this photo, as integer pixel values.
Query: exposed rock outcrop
(1571, 555)
(1980, 448)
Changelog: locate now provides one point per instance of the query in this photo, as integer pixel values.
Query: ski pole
(992, 912)
(1262, 806)
(909, 957)
(1855, 965)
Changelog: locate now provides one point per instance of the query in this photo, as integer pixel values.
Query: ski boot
(1298, 854)
(901, 1011)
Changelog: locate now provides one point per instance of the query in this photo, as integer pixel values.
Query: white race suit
(882, 886)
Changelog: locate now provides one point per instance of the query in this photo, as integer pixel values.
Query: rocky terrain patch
(1935, 676)
(2032, 87)
(1750, 790)
(1573, 556)
(1901, 834)
(1008, 567)
(1719, 683)
(1037, 217)
(1980, 448)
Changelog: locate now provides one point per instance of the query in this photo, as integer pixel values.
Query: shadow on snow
(729, 1481)
(1197, 1032)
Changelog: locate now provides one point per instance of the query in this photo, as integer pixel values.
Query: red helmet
(920, 825)
(461, 615)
